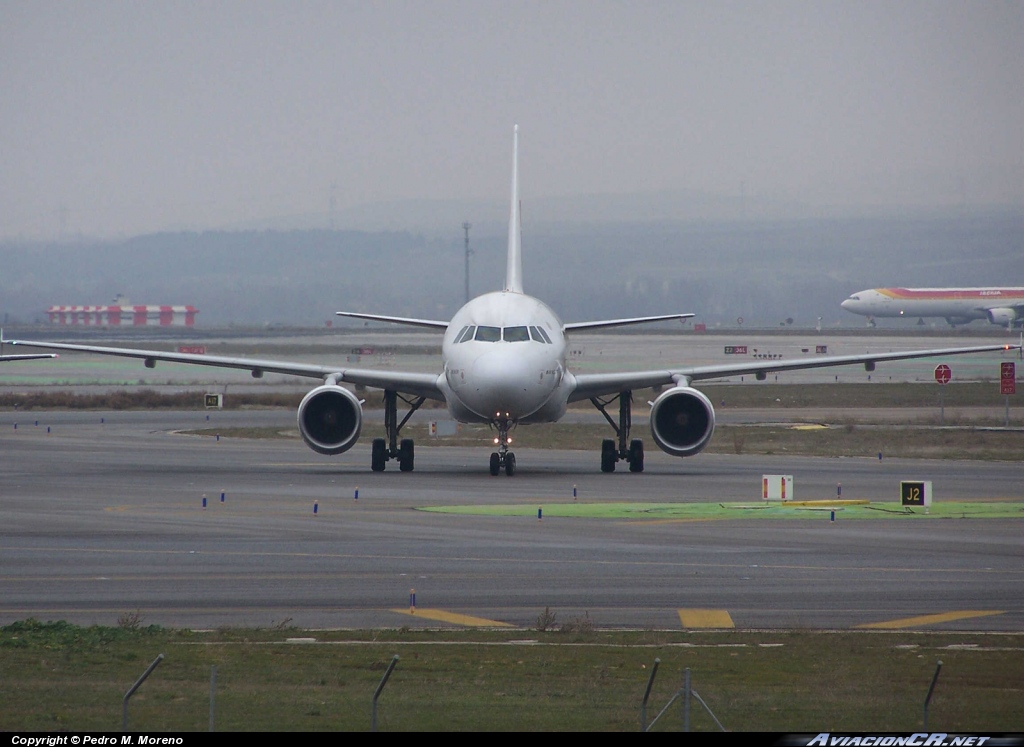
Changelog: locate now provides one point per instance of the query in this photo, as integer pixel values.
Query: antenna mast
(465, 227)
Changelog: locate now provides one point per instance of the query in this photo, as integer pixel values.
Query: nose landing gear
(503, 458)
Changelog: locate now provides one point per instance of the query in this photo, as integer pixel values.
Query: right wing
(597, 385)
(424, 385)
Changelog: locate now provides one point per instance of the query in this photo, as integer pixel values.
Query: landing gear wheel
(495, 464)
(406, 455)
(378, 455)
(608, 455)
(636, 455)
(510, 464)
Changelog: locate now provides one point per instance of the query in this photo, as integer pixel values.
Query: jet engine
(330, 418)
(1002, 317)
(682, 421)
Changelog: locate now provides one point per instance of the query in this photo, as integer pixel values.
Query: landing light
(495, 440)
(509, 440)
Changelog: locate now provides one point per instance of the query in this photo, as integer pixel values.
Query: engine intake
(682, 421)
(1003, 317)
(330, 418)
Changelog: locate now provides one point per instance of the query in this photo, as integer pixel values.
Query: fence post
(931, 689)
(380, 688)
(647, 692)
(133, 688)
(686, 700)
(213, 692)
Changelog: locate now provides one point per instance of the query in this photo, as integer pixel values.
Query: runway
(104, 518)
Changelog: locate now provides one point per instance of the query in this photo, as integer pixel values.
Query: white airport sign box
(916, 492)
(777, 487)
(443, 428)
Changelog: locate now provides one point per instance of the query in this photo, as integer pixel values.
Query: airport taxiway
(105, 518)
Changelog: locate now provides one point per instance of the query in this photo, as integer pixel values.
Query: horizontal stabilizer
(431, 323)
(576, 326)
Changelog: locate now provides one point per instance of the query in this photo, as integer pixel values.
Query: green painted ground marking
(669, 512)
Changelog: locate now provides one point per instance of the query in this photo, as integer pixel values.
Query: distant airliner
(503, 360)
(1002, 306)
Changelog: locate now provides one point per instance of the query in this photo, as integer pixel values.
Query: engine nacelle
(330, 418)
(1002, 317)
(682, 421)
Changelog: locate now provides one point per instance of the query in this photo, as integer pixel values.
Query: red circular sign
(943, 373)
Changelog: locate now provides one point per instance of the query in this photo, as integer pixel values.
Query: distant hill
(764, 271)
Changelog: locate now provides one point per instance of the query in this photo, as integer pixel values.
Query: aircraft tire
(378, 455)
(510, 464)
(636, 455)
(406, 455)
(495, 464)
(608, 455)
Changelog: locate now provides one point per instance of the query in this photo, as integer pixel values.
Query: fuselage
(955, 304)
(504, 360)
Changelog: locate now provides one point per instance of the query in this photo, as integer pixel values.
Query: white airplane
(503, 357)
(1002, 306)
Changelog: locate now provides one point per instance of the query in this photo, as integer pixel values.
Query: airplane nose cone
(504, 383)
(847, 304)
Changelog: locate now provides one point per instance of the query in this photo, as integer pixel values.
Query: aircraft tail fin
(514, 263)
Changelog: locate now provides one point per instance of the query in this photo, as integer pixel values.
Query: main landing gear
(382, 449)
(503, 459)
(612, 452)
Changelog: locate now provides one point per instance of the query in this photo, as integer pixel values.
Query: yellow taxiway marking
(913, 622)
(454, 618)
(649, 522)
(691, 618)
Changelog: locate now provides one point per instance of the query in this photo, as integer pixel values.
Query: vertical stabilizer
(514, 265)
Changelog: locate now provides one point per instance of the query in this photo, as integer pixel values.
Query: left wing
(6, 358)
(596, 385)
(425, 385)
(33, 357)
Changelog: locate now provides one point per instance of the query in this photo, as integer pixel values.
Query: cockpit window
(517, 334)
(544, 335)
(488, 334)
(465, 334)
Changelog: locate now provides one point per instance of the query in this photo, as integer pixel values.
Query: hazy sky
(142, 116)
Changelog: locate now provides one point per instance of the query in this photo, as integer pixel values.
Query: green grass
(58, 676)
(750, 394)
(753, 394)
(852, 440)
(848, 440)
